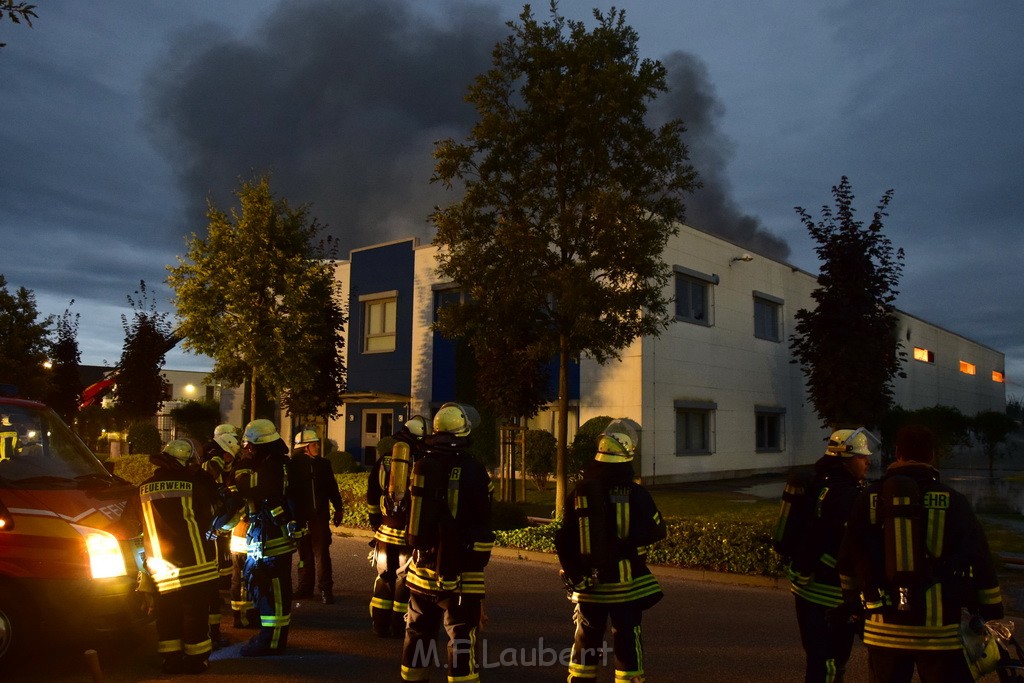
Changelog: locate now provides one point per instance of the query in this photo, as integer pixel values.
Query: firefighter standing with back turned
(609, 522)
(177, 506)
(450, 532)
(827, 629)
(387, 502)
(262, 479)
(317, 492)
(915, 555)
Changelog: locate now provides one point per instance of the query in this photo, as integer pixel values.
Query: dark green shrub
(507, 516)
(541, 451)
(342, 462)
(196, 420)
(144, 438)
(134, 468)
(353, 495)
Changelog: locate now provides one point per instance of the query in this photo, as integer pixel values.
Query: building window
(447, 296)
(998, 377)
(694, 427)
(923, 355)
(769, 429)
(767, 317)
(968, 368)
(380, 315)
(693, 295)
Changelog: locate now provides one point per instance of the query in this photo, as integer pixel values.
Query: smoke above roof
(342, 101)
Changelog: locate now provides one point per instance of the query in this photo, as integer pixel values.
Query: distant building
(715, 394)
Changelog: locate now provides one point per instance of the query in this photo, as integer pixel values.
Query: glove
(573, 583)
(336, 518)
(146, 589)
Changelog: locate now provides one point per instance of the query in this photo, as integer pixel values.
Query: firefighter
(609, 522)
(450, 531)
(262, 479)
(387, 502)
(178, 506)
(217, 462)
(913, 557)
(311, 476)
(827, 628)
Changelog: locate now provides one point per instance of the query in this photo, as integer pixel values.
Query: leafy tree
(148, 336)
(196, 419)
(24, 341)
(1015, 407)
(17, 12)
(569, 199)
(948, 425)
(258, 296)
(584, 444)
(144, 438)
(992, 427)
(65, 382)
(847, 345)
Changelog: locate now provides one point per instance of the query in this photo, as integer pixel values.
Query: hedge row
(734, 545)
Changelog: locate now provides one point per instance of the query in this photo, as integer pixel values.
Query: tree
(65, 382)
(846, 345)
(17, 12)
(992, 427)
(257, 294)
(24, 341)
(541, 451)
(148, 335)
(569, 199)
(196, 419)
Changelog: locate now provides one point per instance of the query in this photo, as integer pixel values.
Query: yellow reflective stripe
(483, 547)
(990, 596)
(936, 531)
(827, 560)
(381, 603)
(582, 670)
(453, 491)
(622, 519)
(904, 544)
(156, 552)
(194, 535)
(933, 605)
(165, 646)
(415, 673)
(400, 607)
(199, 648)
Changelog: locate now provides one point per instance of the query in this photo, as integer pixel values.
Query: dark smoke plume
(342, 101)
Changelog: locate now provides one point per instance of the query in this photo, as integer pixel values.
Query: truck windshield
(37, 450)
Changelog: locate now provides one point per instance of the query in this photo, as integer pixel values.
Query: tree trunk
(563, 425)
(252, 397)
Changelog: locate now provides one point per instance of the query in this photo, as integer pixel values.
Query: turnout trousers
(827, 645)
(460, 615)
(182, 626)
(269, 581)
(390, 600)
(315, 558)
(891, 665)
(589, 648)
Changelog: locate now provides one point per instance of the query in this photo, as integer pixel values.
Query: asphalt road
(704, 630)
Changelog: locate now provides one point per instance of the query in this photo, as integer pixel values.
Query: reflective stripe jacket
(177, 508)
(263, 482)
(812, 573)
(388, 519)
(958, 570)
(632, 522)
(457, 564)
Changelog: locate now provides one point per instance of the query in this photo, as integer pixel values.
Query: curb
(706, 576)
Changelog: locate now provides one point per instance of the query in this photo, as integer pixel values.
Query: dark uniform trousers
(182, 623)
(589, 649)
(315, 557)
(892, 665)
(461, 617)
(269, 582)
(827, 644)
(241, 605)
(390, 600)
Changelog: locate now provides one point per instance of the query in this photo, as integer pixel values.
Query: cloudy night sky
(121, 118)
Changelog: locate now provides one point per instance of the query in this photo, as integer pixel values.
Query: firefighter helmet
(306, 437)
(981, 649)
(455, 418)
(225, 429)
(617, 442)
(417, 426)
(181, 450)
(227, 441)
(260, 431)
(847, 443)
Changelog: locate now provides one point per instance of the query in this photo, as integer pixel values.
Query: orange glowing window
(998, 377)
(923, 355)
(968, 368)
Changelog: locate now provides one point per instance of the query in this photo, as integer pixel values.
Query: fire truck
(69, 556)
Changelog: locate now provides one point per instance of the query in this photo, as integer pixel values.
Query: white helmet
(260, 431)
(227, 441)
(181, 450)
(417, 426)
(846, 443)
(617, 442)
(225, 429)
(455, 418)
(306, 436)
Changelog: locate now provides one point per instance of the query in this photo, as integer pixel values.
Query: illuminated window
(380, 314)
(968, 368)
(998, 377)
(923, 355)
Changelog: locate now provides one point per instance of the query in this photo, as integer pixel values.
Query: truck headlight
(105, 556)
